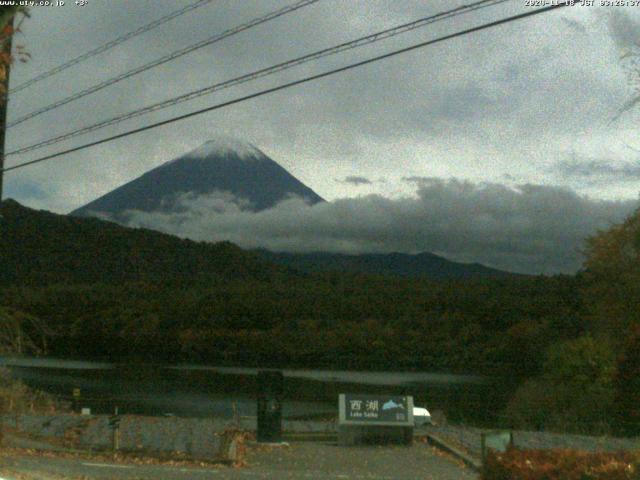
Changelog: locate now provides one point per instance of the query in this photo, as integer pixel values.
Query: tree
(21, 333)
(627, 385)
(7, 31)
(574, 393)
(631, 63)
(613, 279)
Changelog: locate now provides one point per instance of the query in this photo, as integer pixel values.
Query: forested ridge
(356, 322)
(107, 292)
(416, 265)
(42, 248)
(110, 292)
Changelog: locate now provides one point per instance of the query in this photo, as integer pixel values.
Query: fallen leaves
(123, 458)
(561, 464)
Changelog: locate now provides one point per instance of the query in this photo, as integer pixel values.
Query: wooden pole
(116, 433)
(4, 100)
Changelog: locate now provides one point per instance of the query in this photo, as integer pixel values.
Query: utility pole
(4, 99)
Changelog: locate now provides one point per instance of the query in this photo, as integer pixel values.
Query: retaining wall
(199, 438)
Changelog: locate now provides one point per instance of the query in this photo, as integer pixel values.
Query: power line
(111, 44)
(366, 40)
(295, 83)
(165, 59)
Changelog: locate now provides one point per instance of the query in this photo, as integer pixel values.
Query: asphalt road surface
(302, 461)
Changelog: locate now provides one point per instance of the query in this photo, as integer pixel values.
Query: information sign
(391, 410)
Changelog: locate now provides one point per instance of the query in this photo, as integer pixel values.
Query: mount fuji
(243, 172)
(223, 164)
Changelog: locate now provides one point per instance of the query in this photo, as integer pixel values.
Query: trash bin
(270, 392)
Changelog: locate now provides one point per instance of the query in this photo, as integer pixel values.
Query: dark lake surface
(205, 391)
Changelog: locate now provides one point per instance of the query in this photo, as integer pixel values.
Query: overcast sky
(519, 114)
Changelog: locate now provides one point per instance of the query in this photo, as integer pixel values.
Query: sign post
(270, 396)
(76, 400)
(114, 424)
(375, 419)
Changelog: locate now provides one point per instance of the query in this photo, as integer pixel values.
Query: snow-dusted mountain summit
(223, 164)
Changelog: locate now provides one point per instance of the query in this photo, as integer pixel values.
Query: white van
(421, 416)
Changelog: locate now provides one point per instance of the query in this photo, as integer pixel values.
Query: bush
(543, 405)
(560, 465)
(627, 386)
(575, 393)
(16, 397)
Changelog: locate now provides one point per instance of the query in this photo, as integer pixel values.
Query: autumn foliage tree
(631, 63)
(574, 393)
(21, 334)
(8, 27)
(613, 280)
(627, 384)
(613, 296)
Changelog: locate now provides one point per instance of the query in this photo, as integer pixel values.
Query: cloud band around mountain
(530, 229)
(598, 171)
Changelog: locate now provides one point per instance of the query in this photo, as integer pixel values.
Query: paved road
(302, 461)
(326, 461)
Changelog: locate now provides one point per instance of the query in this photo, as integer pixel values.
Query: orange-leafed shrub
(561, 465)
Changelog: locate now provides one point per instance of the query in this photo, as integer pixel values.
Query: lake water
(203, 391)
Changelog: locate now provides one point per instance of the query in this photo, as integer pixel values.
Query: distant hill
(220, 165)
(41, 248)
(244, 172)
(422, 264)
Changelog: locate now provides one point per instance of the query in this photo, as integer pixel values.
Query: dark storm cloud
(462, 103)
(356, 180)
(598, 171)
(503, 101)
(624, 29)
(507, 97)
(575, 25)
(418, 179)
(532, 229)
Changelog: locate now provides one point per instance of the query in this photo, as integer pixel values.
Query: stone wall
(199, 438)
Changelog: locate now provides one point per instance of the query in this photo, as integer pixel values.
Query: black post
(76, 400)
(114, 424)
(270, 395)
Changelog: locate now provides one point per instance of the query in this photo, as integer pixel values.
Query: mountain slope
(41, 248)
(220, 165)
(422, 264)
